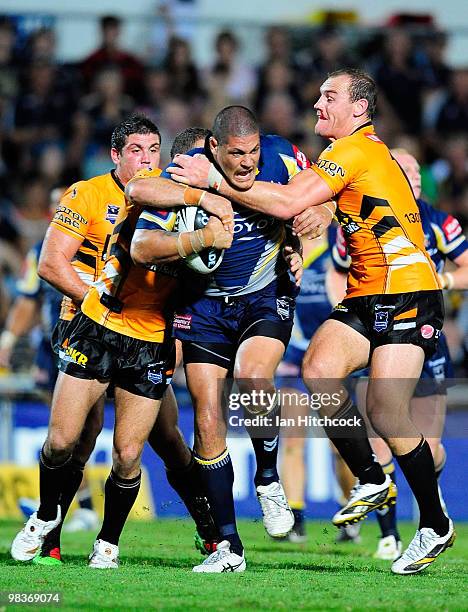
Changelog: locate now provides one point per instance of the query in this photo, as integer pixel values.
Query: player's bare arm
(305, 190)
(458, 278)
(164, 193)
(55, 265)
(158, 246)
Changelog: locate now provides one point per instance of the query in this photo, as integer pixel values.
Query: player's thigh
(335, 351)
(168, 415)
(135, 416)
(394, 372)
(71, 403)
(258, 357)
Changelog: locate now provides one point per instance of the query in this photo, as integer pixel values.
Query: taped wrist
(197, 240)
(193, 197)
(215, 178)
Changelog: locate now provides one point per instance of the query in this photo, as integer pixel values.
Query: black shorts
(92, 351)
(399, 318)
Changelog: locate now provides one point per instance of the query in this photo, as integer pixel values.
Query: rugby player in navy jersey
(444, 240)
(238, 323)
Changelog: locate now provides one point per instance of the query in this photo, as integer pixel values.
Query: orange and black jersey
(88, 211)
(131, 300)
(379, 216)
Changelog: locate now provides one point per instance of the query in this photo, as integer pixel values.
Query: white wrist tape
(215, 178)
(7, 339)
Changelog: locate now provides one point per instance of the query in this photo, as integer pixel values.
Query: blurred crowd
(56, 119)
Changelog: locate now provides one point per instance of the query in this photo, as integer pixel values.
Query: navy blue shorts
(231, 320)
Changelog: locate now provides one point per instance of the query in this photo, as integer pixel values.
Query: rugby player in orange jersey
(86, 208)
(392, 314)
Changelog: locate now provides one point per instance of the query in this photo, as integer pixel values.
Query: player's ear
(360, 107)
(213, 144)
(115, 155)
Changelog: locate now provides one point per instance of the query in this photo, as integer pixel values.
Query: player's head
(191, 138)
(347, 100)
(410, 167)
(135, 145)
(235, 145)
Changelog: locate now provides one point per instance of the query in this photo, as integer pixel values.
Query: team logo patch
(183, 322)
(112, 212)
(381, 320)
(155, 377)
(283, 308)
(427, 331)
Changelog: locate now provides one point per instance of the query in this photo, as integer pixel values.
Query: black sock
(218, 479)
(85, 499)
(418, 468)
(187, 483)
(387, 517)
(265, 442)
(298, 516)
(353, 445)
(71, 483)
(51, 481)
(120, 495)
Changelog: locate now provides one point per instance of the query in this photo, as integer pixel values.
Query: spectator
(109, 53)
(453, 116)
(182, 74)
(95, 120)
(399, 80)
(230, 80)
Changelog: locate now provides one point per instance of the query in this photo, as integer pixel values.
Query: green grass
(157, 558)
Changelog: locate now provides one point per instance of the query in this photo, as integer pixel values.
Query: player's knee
(314, 369)
(252, 370)
(59, 444)
(127, 457)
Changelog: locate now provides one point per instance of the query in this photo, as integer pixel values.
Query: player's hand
(216, 236)
(312, 221)
(294, 261)
(191, 170)
(219, 207)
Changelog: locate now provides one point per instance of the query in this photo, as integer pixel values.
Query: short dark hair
(234, 121)
(185, 141)
(136, 124)
(361, 87)
(109, 21)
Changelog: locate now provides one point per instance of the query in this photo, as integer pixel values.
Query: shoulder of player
(272, 144)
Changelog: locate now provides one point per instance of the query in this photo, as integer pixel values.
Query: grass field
(319, 575)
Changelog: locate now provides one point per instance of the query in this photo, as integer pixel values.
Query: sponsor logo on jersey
(331, 167)
(112, 212)
(451, 228)
(183, 321)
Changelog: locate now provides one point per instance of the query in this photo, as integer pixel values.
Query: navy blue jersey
(443, 239)
(312, 303)
(254, 259)
(33, 287)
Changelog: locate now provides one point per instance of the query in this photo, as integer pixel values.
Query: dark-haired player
(118, 336)
(236, 323)
(393, 312)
